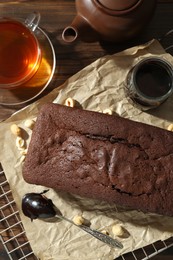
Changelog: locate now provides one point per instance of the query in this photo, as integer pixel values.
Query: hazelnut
(20, 142)
(78, 220)
(23, 151)
(16, 130)
(118, 230)
(107, 111)
(70, 102)
(105, 232)
(170, 127)
(22, 158)
(29, 123)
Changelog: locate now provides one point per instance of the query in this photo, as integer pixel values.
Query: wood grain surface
(71, 58)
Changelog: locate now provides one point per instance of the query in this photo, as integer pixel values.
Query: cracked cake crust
(102, 156)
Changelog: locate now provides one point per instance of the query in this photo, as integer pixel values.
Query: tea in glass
(20, 54)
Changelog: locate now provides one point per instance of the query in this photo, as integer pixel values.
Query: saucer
(39, 82)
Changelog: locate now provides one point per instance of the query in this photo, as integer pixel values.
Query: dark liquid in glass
(153, 80)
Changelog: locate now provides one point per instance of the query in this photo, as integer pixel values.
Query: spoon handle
(102, 237)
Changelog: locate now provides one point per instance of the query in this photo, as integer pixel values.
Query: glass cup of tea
(20, 53)
(150, 82)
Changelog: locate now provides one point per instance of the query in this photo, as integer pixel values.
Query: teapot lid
(118, 5)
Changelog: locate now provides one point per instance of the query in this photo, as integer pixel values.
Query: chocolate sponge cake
(102, 156)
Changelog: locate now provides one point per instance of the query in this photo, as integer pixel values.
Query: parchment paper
(97, 87)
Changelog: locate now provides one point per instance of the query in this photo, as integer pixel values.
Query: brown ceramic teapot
(109, 20)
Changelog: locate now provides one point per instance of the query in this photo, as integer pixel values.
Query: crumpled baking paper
(99, 86)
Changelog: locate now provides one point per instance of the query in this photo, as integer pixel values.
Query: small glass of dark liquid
(150, 82)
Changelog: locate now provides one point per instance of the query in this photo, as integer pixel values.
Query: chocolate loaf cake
(102, 156)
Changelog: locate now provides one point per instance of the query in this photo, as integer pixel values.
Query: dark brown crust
(101, 156)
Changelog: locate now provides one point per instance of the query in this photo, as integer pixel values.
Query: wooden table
(71, 58)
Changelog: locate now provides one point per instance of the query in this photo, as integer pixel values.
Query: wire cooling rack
(17, 247)
(13, 237)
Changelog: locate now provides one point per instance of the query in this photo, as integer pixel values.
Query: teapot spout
(79, 29)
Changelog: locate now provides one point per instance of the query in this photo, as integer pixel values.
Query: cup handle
(33, 20)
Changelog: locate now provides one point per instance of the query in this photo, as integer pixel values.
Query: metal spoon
(36, 205)
(102, 237)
